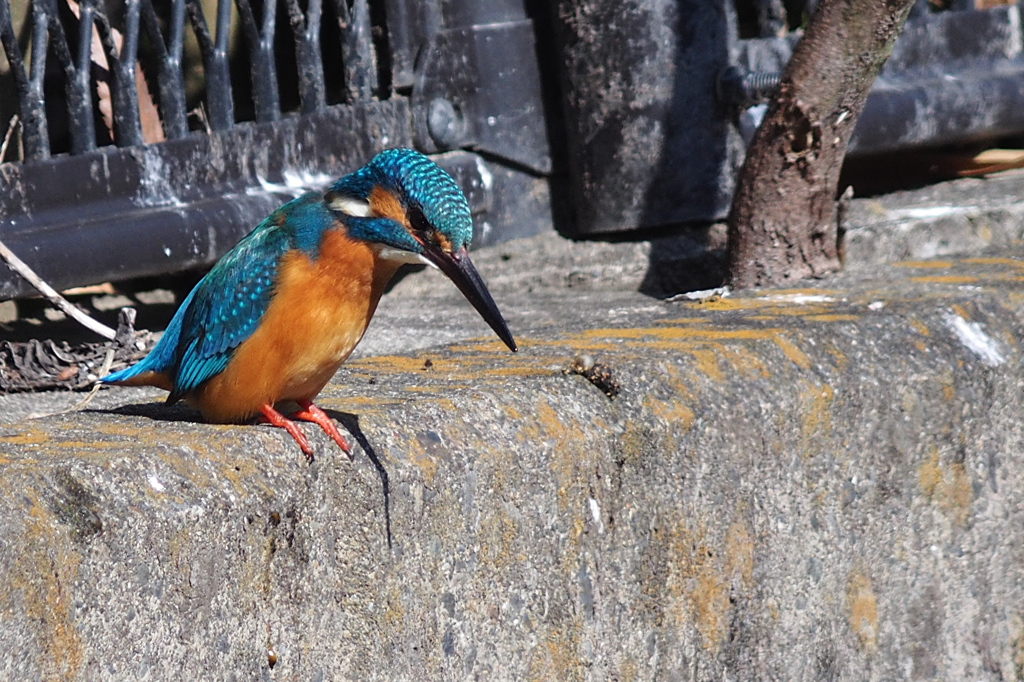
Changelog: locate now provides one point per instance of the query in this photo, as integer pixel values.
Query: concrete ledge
(809, 484)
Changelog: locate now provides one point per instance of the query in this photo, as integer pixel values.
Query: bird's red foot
(275, 418)
(312, 413)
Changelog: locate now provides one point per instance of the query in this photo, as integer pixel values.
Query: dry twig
(7, 138)
(53, 295)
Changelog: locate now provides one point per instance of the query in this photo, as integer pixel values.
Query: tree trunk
(783, 222)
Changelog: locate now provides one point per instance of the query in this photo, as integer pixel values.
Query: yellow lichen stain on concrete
(677, 383)
(862, 610)
(570, 460)
(536, 371)
(684, 320)
(838, 355)
(42, 586)
(921, 346)
(776, 294)
(793, 309)
(242, 473)
(995, 261)
(691, 333)
(418, 455)
(739, 552)
(710, 599)
(484, 347)
(570, 457)
(961, 311)
(576, 344)
(394, 364)
(934, 264)
(775, 299)
(427, 390)
(360, 402)
(816, 414)
(948, 486)
(83, 448)
(707, 363)
(31, 436)
(555, 657)
(945, 279)
(696, 581)
(1013, 297)
(672, 411)
(792, 351)
(719, 304)
(487, 345)
(920, 327)
(745, 362)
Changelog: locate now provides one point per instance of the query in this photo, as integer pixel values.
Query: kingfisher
(274, 319)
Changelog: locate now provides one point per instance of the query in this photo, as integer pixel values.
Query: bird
(269, 325)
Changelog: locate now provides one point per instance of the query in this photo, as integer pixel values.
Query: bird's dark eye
(419, 222)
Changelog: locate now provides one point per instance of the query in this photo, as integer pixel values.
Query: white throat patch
(351, 206)
(402, 256)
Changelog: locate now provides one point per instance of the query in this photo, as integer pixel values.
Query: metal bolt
(446, 124)
(738, 87)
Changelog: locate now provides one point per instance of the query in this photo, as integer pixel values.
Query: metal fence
(151, 134)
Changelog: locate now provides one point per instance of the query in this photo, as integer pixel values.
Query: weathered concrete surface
(955, 217)
(810, 484)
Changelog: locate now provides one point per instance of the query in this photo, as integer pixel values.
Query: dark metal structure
(153, 134)
(658, 111)
(147, 136)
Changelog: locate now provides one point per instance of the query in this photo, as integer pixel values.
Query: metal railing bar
(261, 56)
(357, 52)
(170, 79)
(82, 122)
(308, 57)
(220, 114)
(79, 102)
(36, 137)
(121, 60)
(31, 110)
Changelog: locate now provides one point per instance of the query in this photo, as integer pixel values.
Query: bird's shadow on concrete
(351, 423)
(160, 412)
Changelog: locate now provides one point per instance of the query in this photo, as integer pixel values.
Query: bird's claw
(311, 413)
(308, 412)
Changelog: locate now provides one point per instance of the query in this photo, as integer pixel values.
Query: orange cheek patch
(386, 205)
(442, 241)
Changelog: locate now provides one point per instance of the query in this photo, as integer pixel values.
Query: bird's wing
(227, 306)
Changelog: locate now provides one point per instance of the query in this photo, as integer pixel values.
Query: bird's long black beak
(460, 270)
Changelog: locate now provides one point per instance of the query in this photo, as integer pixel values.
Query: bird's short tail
(139, 374)
(156, 368)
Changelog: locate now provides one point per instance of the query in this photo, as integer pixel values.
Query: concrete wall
(800, 485)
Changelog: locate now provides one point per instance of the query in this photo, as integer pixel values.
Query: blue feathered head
(403, 199)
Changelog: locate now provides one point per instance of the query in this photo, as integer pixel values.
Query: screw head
(446, 123)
